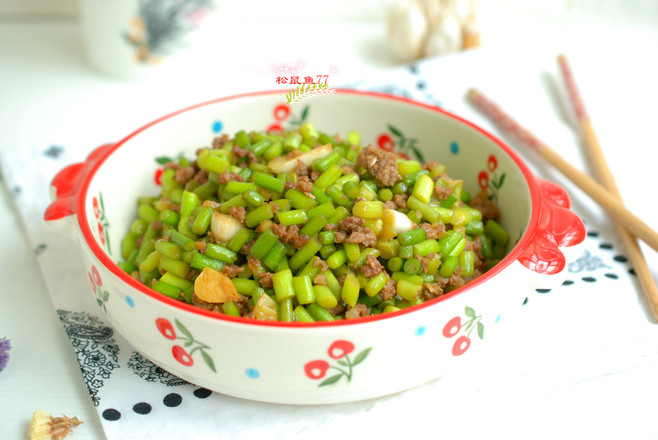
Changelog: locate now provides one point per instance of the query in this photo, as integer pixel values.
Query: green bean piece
(410, 238)
(127, 266)
(352, 251)
(338, 197)
(410, 179)
(323, 164)
(150, 262)
(467, 263)
(428, 213)
(166, 247)
(350, 290)
(285, 311)
(253, 198)
(351, 189)
(332, 283)
(414, 279)
(235, 187)
(202, 220)
(176, 267)
(166, 289)
(326, 237)
(221, 253)
(242, 237)
(311, 248)
(242, 139)
(423, 188)
(368, 209)
(324, 297)
(313, 226)
(475, 228)
(412, 266)
(260, 146)
(341, 214)
(206, 190)
(148, 213)
(308, 130)
(293, 217)
(229, 308)
(487, 248)
(138, 227)
(395, 264)
(406, 252)
(376, 284)
(407, 290)
(128, 245)
(268, 182)
(292, 142)
(311, 268)
(328, 177)
(319, 313)
(320, 196)
(449, 242)
(273, 151)
(199, 261)
(283, 287)
(184, 242)
(169, 217)
(275, 256)
(303, 289)
(263, 244)
(302, 315)
(236, 201)
(448, 266)
(299, 200)
(188, 204)
(337, 259)
(327, 250)
(426, 247)
(174, 280)
(494, 230)
(245, 286)
(259, 215)
(459, 247)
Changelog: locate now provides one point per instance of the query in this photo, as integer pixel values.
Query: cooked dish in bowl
(297, 225)
(287, 360)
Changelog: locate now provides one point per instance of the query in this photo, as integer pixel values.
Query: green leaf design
(480, 330)
(106, 295)
(99, 302)
(331, 380)
(501, 181)
(395, 131)
(304, 113)
(361, 356)
(188, 343)
(343, 363)
(183, 329)
(163, 159)
(208, 360)
(469, 312)
(418, 154)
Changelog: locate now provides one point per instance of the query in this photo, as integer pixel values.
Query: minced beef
(184, 174)
(241, 304)
(382, 164)
(400, 200)
(389, 290)
(488, 208)
(319, 262)
(442, 192)
(254, 265)
(219, 141)
(319, 279)
(265, 280)
(365, 237)
(226, 177)
(433, 231)
(372, 267)
(290, 234)
(351, 224)
(430, 291)
(231, 270)
(340, 308)
(357, 311)
(238, 212)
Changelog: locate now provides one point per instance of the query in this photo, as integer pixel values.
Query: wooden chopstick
(605, 176)
(596, 191)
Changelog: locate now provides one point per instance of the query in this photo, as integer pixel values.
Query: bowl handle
(558, 227)
(60, 215)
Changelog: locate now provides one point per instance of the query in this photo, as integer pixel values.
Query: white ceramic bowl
(320, 362)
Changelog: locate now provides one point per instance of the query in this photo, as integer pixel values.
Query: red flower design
(165, 328)
(182, 356)
(97, 276)
(316, 369)
(91, 281)
(97, 209)
(483, 180)
(452, 327)
(157, 178)
(275, 127)
(385, 142)
(340, 348)
(492, 163)
(281, 112)
(101, 233)
(461, 345)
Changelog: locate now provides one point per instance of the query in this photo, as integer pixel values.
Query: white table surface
(47, 89)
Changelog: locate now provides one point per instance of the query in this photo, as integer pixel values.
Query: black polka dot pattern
(591, 266)
(171, 400)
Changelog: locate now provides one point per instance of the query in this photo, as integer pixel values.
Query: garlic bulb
(445, 38)
(407, 29)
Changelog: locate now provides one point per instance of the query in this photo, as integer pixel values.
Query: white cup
(140, 38)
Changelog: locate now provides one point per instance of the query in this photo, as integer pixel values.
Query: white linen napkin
(137, 400)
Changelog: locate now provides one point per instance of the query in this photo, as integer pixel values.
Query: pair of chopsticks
(605, 193)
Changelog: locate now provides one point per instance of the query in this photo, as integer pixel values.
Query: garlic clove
(406, 30)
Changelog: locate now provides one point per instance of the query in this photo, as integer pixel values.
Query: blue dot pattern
(454, 147)
(252, 373)
(217, 126)
(420, 331)
(130, 301)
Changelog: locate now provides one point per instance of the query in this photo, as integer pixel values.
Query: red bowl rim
(114, 268)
